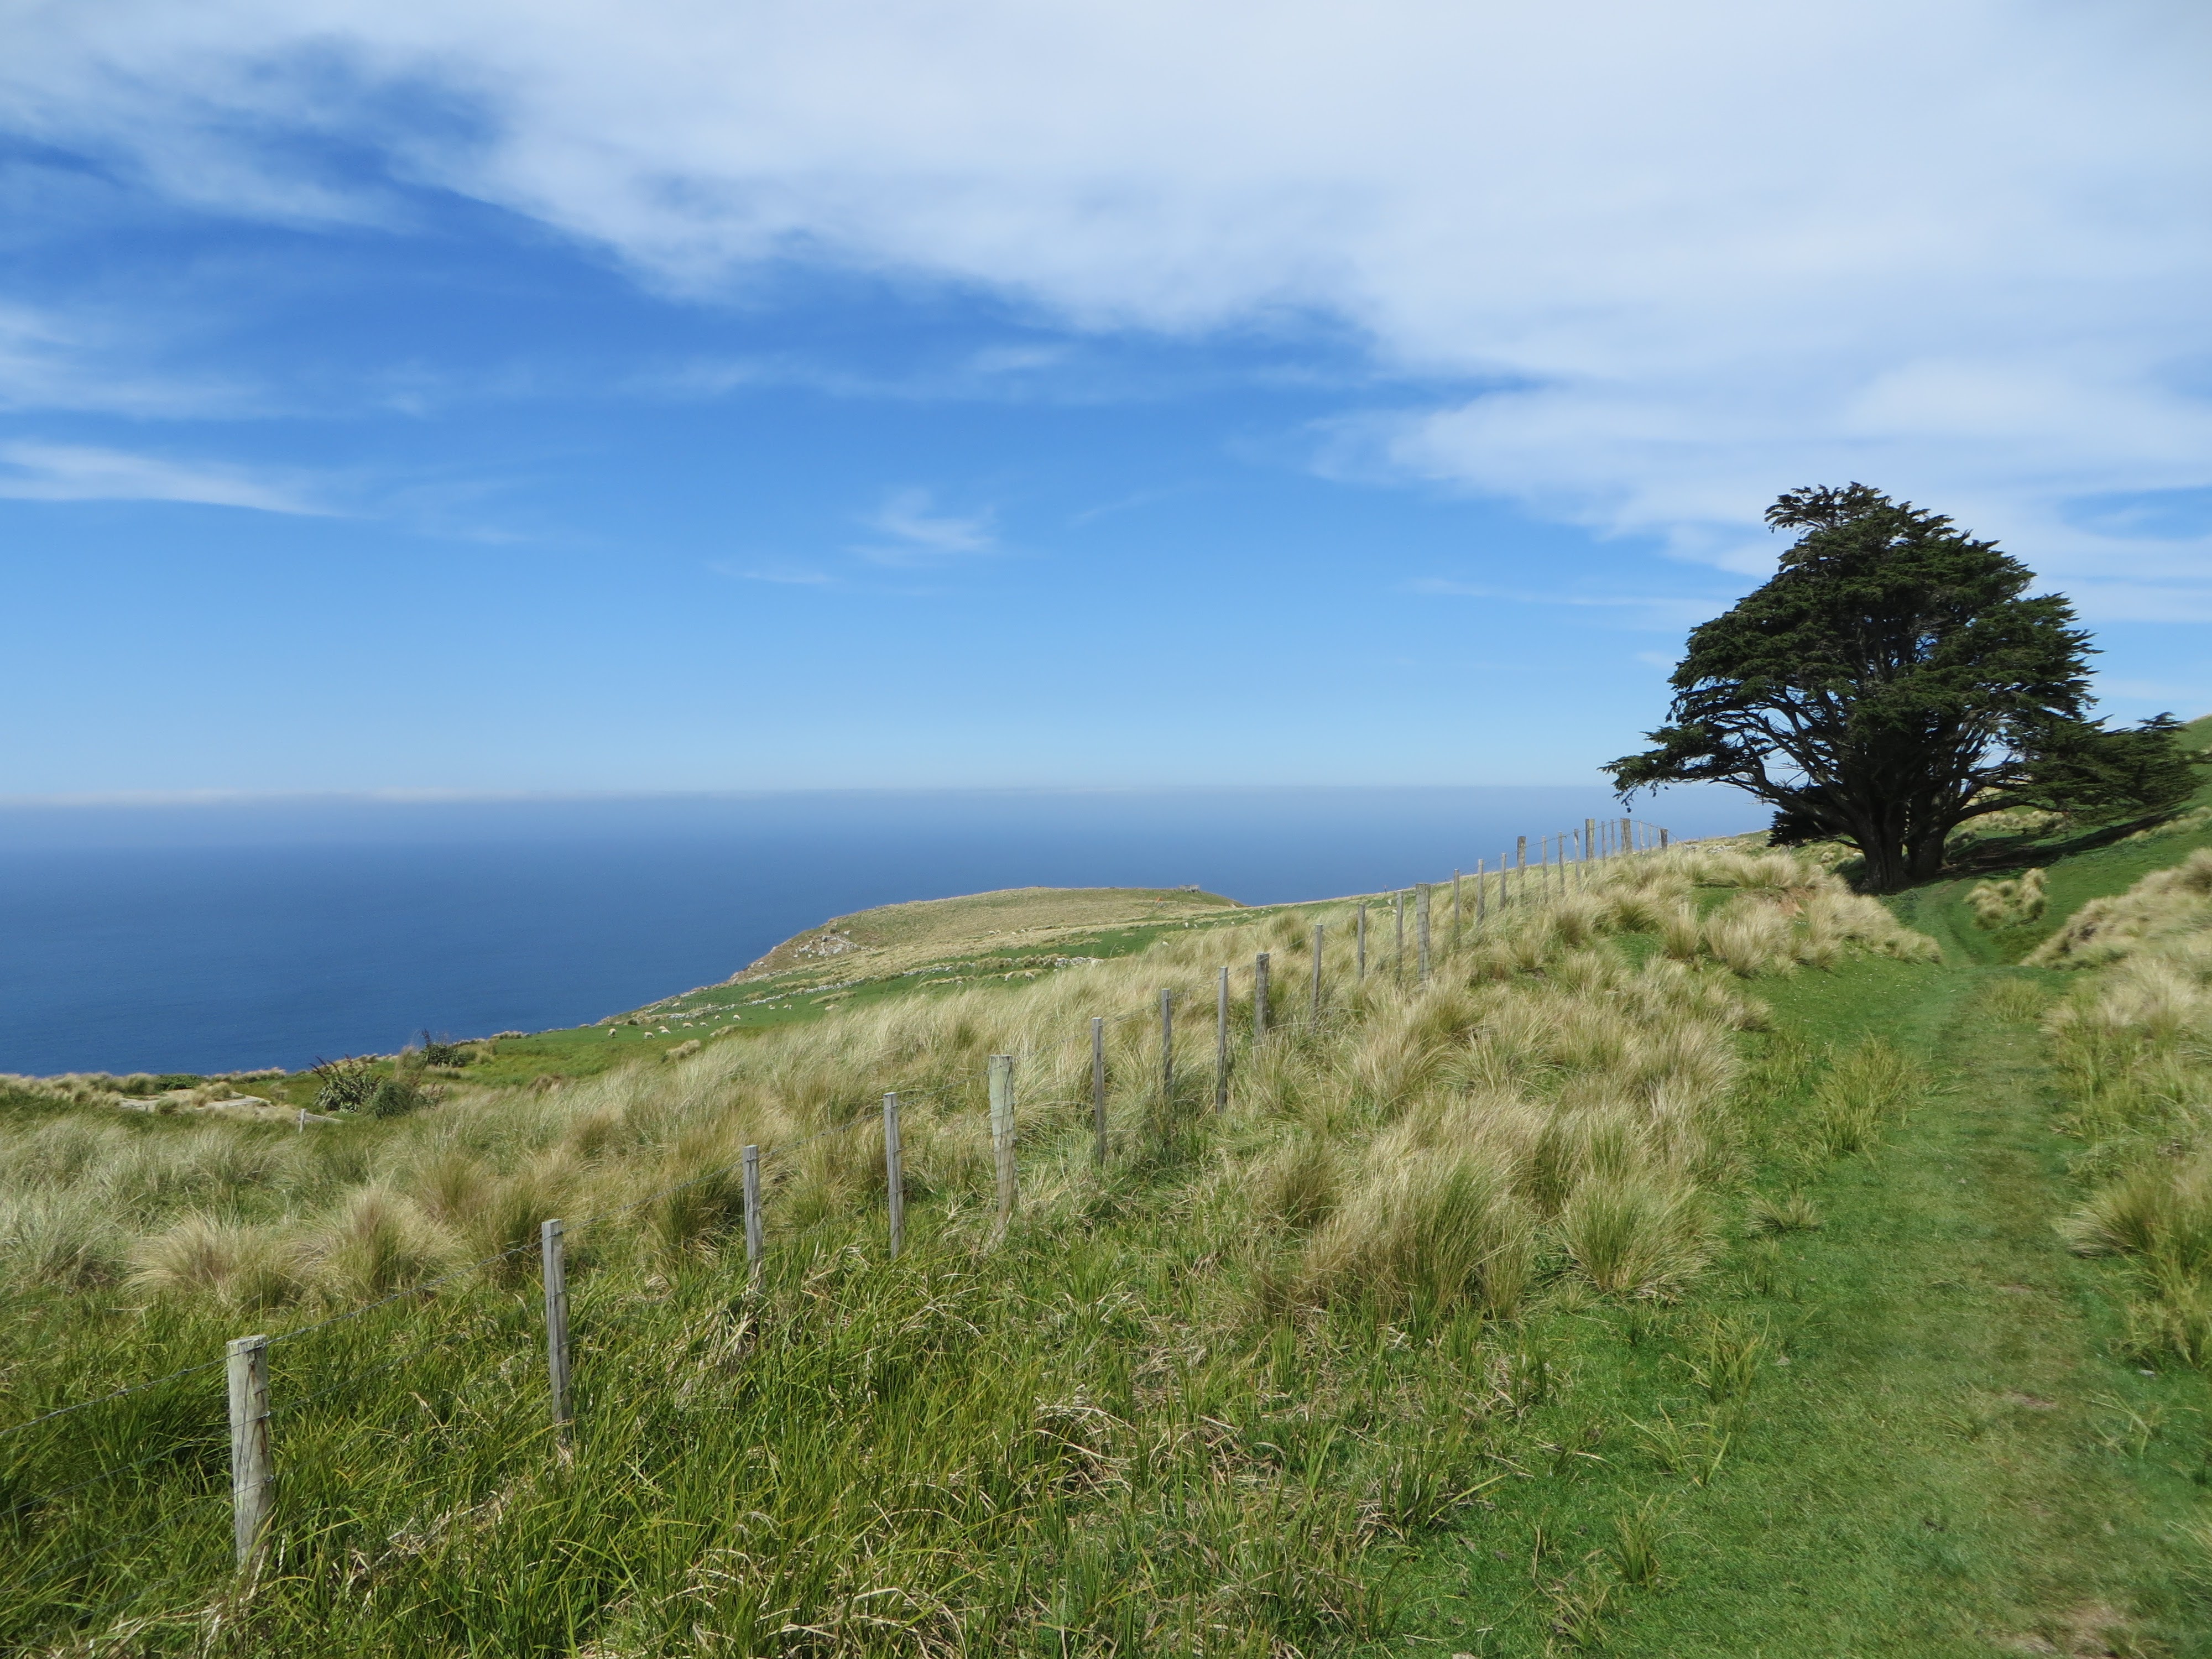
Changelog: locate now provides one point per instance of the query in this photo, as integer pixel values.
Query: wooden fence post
(1421, 927)
(1455, 938)
(553, 1263)
(1259, 996)
(1221, 1046)
(1663, 841)
(1627, 826)
(1481, 896)
(1098, 1086)
(249, 1463)
(1321, 930)
(1167, 1048)
(751, 1155)
(1002, 1137)
(1521, 865)
(1398, 950)
(1362, 948)
(894, 1175)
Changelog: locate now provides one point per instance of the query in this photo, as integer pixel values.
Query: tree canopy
(1890, 683)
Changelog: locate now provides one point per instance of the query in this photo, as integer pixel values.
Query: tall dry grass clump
(2166, 905)
(2009, 903)
(1635, 1233)
(2133, 1048)
(1424, 1229)
(234, 1263)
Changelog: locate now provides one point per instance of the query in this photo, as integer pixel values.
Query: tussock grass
(1071, 1438)
(1429, 1232)
(2162, 913)
(1793, 1213)
(2131, 1047)
(1634, 1234)
(2009, 903)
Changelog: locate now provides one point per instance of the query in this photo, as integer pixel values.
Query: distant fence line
(1556, 871)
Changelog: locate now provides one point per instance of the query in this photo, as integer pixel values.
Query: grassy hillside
(894, 937)
(1692, 1265)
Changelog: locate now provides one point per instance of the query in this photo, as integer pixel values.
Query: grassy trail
(1962, 1498)
(1948, 1461)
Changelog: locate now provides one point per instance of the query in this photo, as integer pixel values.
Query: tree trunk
(1886, 869)
(1924, 858)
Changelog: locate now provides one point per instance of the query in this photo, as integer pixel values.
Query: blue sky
(487, 397)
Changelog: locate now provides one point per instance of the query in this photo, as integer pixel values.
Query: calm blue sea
(215, 937)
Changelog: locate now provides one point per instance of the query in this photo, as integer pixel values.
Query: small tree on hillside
(1890, 684)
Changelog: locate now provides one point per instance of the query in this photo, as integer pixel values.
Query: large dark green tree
(1890, 684)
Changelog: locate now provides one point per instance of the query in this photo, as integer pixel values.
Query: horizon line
(148, 799)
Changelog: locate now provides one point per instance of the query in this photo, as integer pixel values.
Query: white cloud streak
(49, 362)
(914, 532)
(75, 472)
(1654, 611)
(1702, 251)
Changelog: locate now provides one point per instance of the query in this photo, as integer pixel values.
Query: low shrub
(343, 1085)
(396, 1096)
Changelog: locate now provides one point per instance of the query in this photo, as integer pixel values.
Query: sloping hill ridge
(894, 937)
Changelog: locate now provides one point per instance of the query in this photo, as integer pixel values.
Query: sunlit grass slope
(1189, 1401)
(1692, 1264)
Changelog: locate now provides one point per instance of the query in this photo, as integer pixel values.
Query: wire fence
(1476, 896)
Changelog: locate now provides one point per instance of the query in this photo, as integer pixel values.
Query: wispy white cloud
(778, 574)
(33, 471)
(913, 531)
(1650, 610)
(50, 361)
(1948, 260)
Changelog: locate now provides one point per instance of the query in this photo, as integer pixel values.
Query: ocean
(229, 935)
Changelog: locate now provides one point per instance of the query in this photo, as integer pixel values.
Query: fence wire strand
(101, 1400)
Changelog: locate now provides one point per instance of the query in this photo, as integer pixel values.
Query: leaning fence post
(1167, 1046)
(1362, 949)
(1098, 1086)
(752, 1210)
(1421, 926)
(1259, 996)
(250, 1472)
(1002, 1136)
(1221, 1046)
(894, 1174)
(553, 1260)
(1321, 930)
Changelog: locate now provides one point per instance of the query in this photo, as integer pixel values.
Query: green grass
(1934, 1471)
(1913, 1430)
